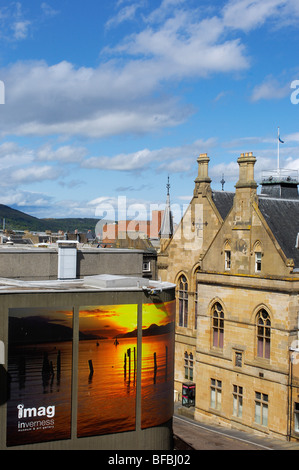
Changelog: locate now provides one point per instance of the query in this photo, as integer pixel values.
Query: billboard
(107, 370)
(40, 369)
(40, 374)
(157, 374)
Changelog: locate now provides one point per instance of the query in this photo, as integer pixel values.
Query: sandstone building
(234, 258)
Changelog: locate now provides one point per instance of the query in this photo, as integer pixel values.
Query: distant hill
(17, 220)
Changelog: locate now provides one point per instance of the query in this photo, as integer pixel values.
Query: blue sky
(105, 99)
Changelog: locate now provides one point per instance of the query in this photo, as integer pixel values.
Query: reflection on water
(107, 393)
(156, 380)
(107, 386)
(40, 376)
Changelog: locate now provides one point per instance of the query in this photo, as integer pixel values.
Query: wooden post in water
(90, 368)
(125, 366)
(129, 359)
(155, 367)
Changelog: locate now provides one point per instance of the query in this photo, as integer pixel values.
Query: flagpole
(278, 151)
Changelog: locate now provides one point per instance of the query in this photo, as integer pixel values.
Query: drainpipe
(293, 353)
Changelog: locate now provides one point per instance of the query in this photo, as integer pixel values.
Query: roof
(223, 200)
(100, 282)
(166, 230)
(282, 216)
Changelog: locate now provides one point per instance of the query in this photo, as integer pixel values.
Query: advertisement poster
(157, 373)
(40, 371)
(107, 369)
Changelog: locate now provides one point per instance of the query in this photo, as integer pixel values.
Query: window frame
(227, 260)
(261, 413)
(238, 397)
(183, 301)
(215, 394)
(188, 366)
(217, 326)
(263, 334)
(258, 261)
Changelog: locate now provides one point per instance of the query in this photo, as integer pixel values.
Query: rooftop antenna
(222, 182)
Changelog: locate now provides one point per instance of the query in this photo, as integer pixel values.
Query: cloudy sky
(104, 99)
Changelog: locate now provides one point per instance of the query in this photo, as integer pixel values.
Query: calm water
(106, 400)
(156, 389)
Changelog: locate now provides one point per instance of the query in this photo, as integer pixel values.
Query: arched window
(183, 301)
(263, 334)
(218, 325)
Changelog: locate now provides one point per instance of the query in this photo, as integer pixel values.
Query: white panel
(2, 353)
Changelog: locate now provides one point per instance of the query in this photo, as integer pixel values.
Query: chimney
(246, 171)
(202, 181)
(67, 259)
(245, 190)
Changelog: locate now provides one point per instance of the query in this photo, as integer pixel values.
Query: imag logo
(2, 92)
(295, 94)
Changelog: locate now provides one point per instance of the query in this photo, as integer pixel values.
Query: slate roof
(282, 216)
(223, 200)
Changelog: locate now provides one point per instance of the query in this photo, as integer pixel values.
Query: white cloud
(270, 89)
(125, 14)
(13, 23)
(32, 174)
(250, 14)
(63, 154)
(174, 158)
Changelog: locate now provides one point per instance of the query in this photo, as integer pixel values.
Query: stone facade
(234, 260)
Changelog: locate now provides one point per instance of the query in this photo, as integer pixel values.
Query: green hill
(17, 220)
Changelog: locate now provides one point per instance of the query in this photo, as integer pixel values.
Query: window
(188, 366)
(146, 266)
(296, 417)
(263, 334)
(258, 262)
(238, 359)
(227, 260)
(218, 325)
(261, 408)
(183, 302)
(237, 401)
(216, 388)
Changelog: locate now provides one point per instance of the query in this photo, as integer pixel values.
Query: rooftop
(101, 282)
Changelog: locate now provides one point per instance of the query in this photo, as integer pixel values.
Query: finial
(168, 186)
(222, 182)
